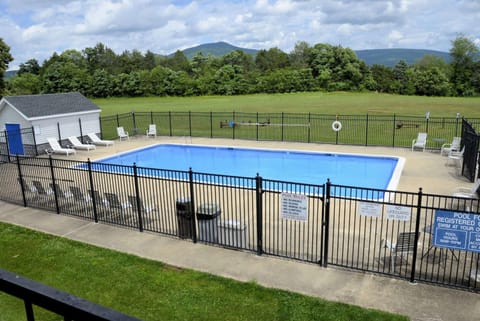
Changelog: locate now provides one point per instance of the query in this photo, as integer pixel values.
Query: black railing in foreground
(68, 306)
(380, 231)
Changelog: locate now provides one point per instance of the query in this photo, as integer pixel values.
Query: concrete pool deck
(421, 302)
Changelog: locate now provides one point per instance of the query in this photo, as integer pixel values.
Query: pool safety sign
(456, 230)
(294, 207)
(393, 212)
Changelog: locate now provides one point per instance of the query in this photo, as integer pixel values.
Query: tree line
(100, 72)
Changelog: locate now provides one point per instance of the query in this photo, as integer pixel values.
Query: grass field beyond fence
(341, 103)
(151, 290)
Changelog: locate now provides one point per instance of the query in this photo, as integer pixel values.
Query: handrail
(62, 303)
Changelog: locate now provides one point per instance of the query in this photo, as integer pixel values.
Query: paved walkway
(421, 302)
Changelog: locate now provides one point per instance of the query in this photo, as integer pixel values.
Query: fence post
(151, 117)
(54, 184)
(118, 121)
(137, 195)
(81, 131)
(34, 141)
(190, 122)
(20, 179)
(59, 133)
(417, 232)
(257, 126)
(211, 125)
(7, 145)
(92, 191)
(366, 131)
(233, 126)
(308, 128)
(394, 126)
(326, 222)
(192, 206)
(170, 122)
(259, 197)
(282, 124)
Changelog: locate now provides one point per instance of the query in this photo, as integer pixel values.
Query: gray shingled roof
(51, 104)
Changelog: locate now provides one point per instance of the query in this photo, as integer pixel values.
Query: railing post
(259, 198)
(326, 223)
(92, 191)
(29, 310)
(59, 132)
(20, 180)
(134, 121)
(192, 206)
(137, 195)
(170, 122)
(118, 121)
(54, 184)
(151, 117)
(417, 234)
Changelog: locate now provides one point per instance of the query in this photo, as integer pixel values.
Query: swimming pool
(382, 172)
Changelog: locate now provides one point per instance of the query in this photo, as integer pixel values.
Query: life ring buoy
(336, 126)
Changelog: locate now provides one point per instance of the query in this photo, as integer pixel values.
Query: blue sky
(37, 28)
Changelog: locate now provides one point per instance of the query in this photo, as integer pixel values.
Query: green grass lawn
(341, 103)
(151, 290)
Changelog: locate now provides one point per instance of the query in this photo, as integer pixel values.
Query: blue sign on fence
(456, 230)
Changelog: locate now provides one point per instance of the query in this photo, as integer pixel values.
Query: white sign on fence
(399, 213)
(294, 207)
(369, 209)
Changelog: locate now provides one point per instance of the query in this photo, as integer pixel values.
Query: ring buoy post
(336, 126)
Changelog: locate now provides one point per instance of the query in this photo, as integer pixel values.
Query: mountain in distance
(216, 49)
(386, 57)
(390, 57)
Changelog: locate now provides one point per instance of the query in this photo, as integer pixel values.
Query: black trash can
(184, 218)
(207, 217)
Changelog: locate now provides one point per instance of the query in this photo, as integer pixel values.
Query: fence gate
(292, 217)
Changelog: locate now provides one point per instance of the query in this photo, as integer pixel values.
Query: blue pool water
(380, 172)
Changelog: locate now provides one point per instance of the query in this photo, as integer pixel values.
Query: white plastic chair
(456, 157)
(152, 130)
(420, 141)
(453, 147)
(122, 133)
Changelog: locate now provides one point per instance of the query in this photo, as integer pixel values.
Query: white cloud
(37, 28)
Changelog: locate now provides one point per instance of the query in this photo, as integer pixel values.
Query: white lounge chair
(152, 130)
(122, 133)
(76, 144)
(57, 149)
(420, 141)
(453, 147)
(95, 140)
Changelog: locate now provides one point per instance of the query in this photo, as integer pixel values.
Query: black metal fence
(367, 130)
(470, 145)
(380, 231)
